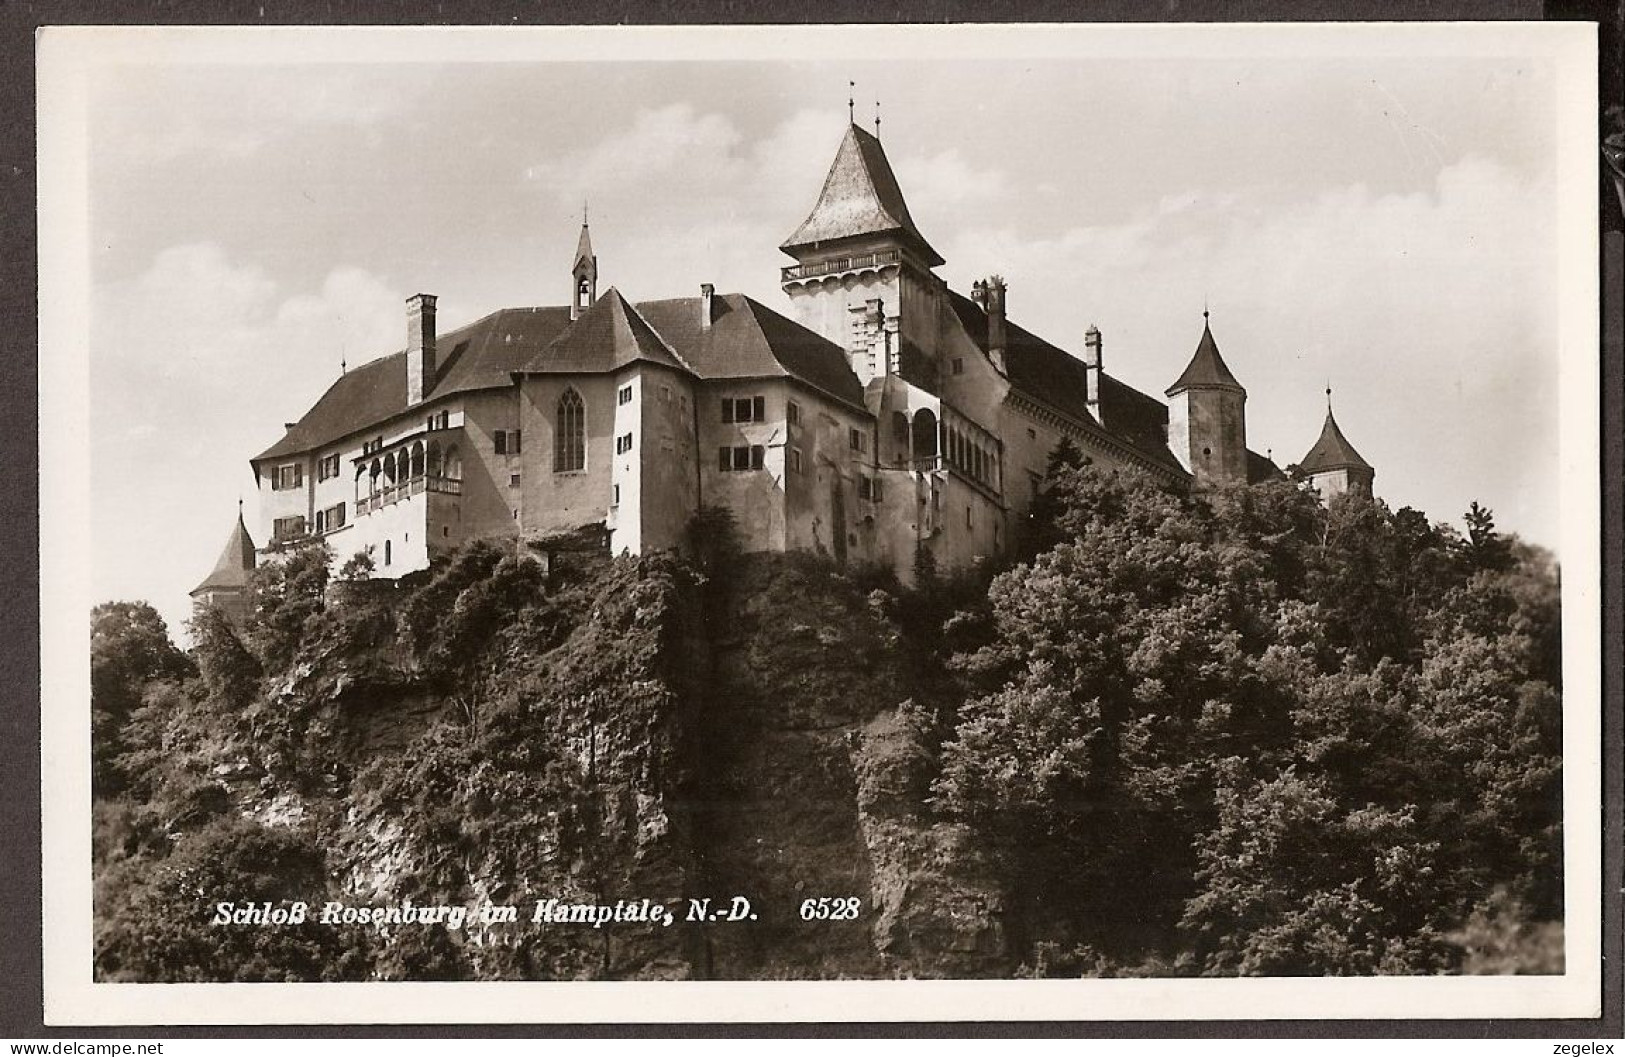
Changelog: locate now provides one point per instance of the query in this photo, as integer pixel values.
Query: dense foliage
(1232, 732)
(1239, 732)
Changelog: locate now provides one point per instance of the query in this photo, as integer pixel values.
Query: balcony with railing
(389, 495)
(836, 265)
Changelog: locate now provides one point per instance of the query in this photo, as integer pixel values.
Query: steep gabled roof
(609, 335)
(1053, 377)
(236, 561)
(748, 340)
(860, 197)
(1207, 368)
(1332, 451)
(481, 355)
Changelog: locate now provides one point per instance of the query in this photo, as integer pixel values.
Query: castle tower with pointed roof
(1332, 466)
(1207, 417)
(227, 586)
(859, 255)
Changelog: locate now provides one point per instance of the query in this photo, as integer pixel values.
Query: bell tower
(584, 273)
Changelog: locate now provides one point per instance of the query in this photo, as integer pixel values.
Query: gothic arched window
(570, 434)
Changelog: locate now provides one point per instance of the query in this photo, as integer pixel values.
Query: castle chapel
(880, 414)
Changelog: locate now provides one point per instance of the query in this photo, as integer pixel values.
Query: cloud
(1434, 307)
(192, 363)
(148, 117)
(945, 179)
(683, 152)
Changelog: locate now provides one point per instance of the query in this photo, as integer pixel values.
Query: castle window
(665, 393)
(513, 480)
(330, 519)
(617, 499)
(506, 441)
(624, 397)
(857, 440)
(792, 413)
(291, 475)
(795, 460)
(744, 409)
(570, 437)
(386, 552)
(287, 528)
(959, 365)
(623, 444)
(328, 467)
(967, 517)
(869, 488)
(741, 458)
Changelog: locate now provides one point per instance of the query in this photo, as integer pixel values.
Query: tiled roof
(1261, 468)
(745, 340)
(482, 355)
(609, 335)
(860, 197)
(1332, 451)
(1207, 367)
(235, 563)
(748, 340)
(1054, 377)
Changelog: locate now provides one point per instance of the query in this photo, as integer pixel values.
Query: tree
(1484, 548)
(155, 921)
(286, 595)
(129, 649)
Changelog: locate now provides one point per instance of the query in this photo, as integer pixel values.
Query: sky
(1381, 224)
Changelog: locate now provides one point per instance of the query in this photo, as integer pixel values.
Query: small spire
(1328, 398)
(1204, 308)
(239, 507)
(877, 117)
(344, 368)
(851, 102)
(583, 212)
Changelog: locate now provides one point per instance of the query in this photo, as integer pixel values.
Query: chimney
(995, 315)
(1093, 364)
(978, 293)
(707, 296)
(420, 360)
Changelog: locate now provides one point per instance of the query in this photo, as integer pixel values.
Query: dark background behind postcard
(20, 925)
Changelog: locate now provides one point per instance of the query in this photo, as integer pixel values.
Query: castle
(886, 414)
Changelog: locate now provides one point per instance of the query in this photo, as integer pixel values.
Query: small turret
(1332, 466)
(227, 586)
(1207, 417)
(583, 273)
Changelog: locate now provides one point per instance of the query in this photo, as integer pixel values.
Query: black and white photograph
(996, 522)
